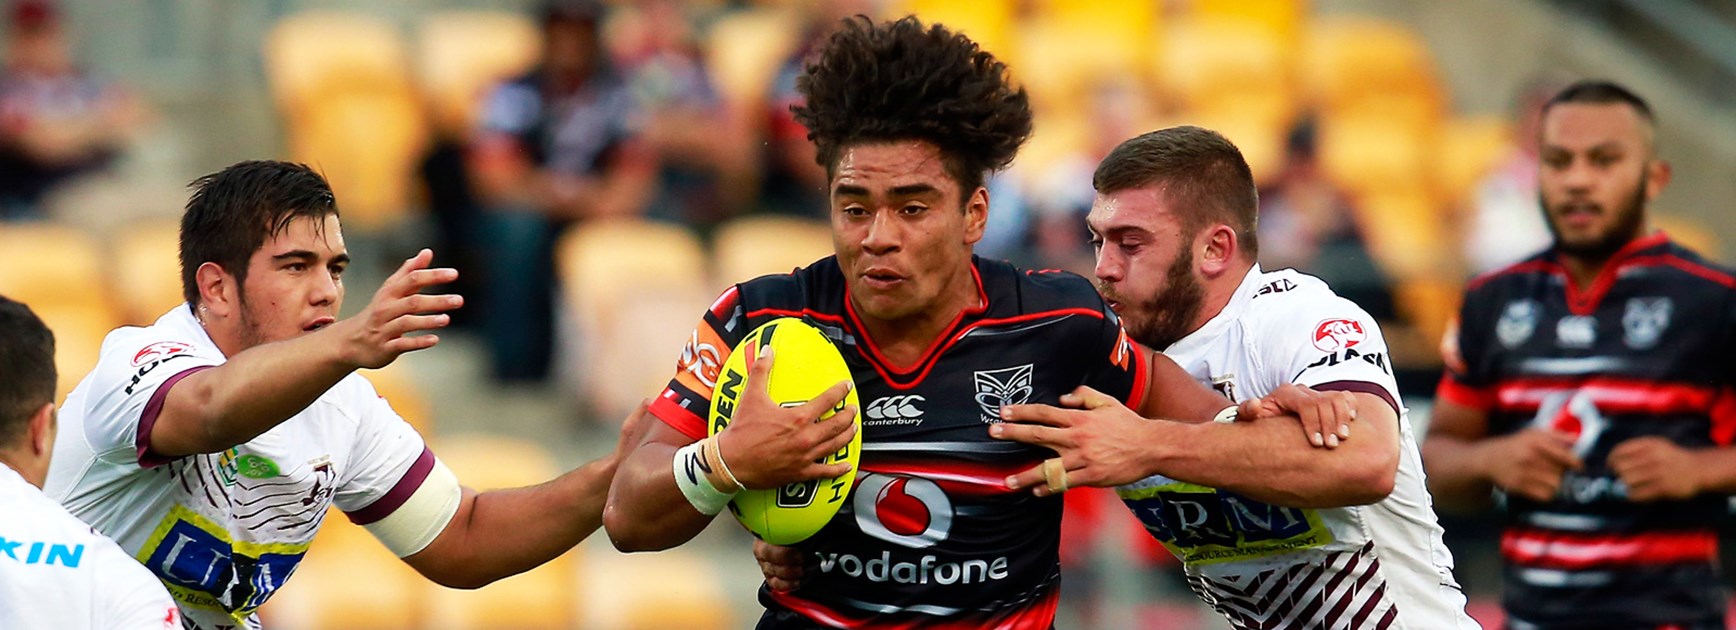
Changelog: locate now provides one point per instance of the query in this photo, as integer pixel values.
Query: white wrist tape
(690, 471)
(1227, 415)
(410, 528)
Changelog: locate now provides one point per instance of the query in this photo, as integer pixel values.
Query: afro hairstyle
(901, 80)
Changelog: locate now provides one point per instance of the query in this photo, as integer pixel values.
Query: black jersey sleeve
(1473, 387)
(684, 403)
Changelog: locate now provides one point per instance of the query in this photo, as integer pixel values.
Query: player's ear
(41, 429)
(1216, 249)
(219, 291)
(976, 215)
(1658, 174)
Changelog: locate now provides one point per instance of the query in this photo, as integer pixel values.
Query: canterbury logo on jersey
(895, 410)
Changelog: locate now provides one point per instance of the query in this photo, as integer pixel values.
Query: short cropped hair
(1599, 92)
(1203, 176)
(27, 373)
(232, 212)
(890, 81)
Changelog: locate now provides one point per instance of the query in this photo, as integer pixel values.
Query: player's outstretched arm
(212, 410)
(501, 533)
(765, 446)
(1103, 443)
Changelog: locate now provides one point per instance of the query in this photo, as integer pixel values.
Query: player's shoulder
(1538, 267)
(1030, 291)
(1290, 303)
(1693, 266)
(816, 287)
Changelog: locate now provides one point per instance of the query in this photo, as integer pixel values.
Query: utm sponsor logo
(999, 388)
(203, 567)
(894, 410)
(1203, 525)
(1333, 335)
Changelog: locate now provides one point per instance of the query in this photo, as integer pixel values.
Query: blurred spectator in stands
(699, 142)
(558, 145)
(1308, 224)
(793, 184)
(1505, 223)
(1059, 197)
(56, 121)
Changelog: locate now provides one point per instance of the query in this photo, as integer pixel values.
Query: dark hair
(233, 211)
(1599, 92)
(903, 81)
(1203, 175)
(27, 375)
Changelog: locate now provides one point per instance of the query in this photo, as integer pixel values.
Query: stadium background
(1414, 108)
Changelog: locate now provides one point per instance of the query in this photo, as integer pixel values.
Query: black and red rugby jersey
(1649, 349)
(931, 536)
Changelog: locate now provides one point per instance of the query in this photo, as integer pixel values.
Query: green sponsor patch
(256, 467)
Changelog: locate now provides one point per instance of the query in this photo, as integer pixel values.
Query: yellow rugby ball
(806, 364)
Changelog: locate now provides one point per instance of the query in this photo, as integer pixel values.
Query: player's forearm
(1716, 470)
(646, 510)
(1457, 478)
(1268, 460)
(507, 532)
(251, 393)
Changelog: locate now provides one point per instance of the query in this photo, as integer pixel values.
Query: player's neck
(1584, 270)
(33, 475)
(1218, 293)
(902, 341)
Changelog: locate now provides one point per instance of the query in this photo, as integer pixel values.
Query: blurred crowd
(506, 131)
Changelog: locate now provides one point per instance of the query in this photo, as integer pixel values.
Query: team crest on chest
(1645, 320)
(998, 388)
(1518, 322)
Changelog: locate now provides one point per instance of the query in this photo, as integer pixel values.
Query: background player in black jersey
(1593, 389)
(907, 120)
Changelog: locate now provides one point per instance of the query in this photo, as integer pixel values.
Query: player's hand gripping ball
(807, 364)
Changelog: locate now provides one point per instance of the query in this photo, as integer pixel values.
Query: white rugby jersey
(57, 573)
(222, 530)
(1263, 566)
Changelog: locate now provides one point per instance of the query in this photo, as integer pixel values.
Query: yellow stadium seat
(348, 580)
(744, 51)
(1406, 233)
(406, 398)
(1260, 139)
(1470, 147)
(1284, 19)
(633, 290)
(461, 54)
(79, 330)
(1366, 154)
(1223, 66)
(1346, 61)
(42, 263)
(1069, 46)
(754, 246)
(540, 598)
(146, 267)
(342, 84)
(1428, 303)
(672, 589)
(990, 23)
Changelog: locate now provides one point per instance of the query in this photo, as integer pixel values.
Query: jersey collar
(1217, 324)
(183, 316)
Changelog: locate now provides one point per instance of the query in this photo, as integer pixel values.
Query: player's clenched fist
(377, 335)
(1530, 463)
(767, 446)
